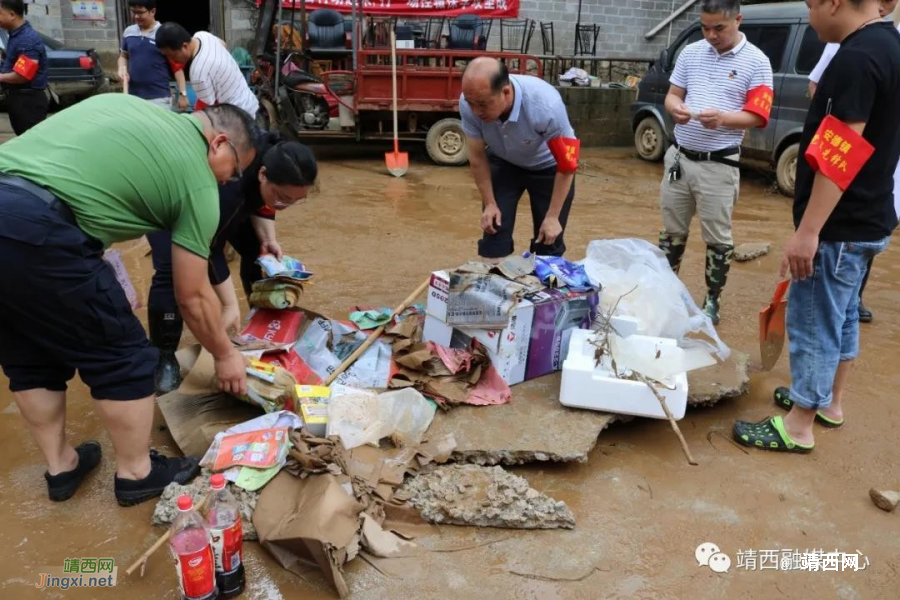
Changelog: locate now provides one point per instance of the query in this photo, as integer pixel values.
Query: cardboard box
(507, 348)
(511, 359)
(315, 418)
(557, 313)
(438, 296)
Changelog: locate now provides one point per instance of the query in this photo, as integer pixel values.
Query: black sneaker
(865, 315)
(62, 487)
(163, 471)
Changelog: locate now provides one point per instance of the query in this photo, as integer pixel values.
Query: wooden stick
(142, 560)
(348, 362)
(672, 421)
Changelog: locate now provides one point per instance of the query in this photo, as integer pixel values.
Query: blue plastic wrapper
(556, 271)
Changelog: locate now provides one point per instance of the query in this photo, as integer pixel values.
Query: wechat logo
(709, 555)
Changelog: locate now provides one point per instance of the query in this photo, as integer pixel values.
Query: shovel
(771, 327)
(397, 162)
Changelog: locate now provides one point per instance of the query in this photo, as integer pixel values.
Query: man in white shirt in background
(214, 74)
(887, 7)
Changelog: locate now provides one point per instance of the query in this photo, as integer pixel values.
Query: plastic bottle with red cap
(191, 547)
(224, 521)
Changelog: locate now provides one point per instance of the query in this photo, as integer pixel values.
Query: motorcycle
(303, 101)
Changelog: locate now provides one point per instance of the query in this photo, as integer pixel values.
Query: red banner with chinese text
(488, 9)
(838, 152)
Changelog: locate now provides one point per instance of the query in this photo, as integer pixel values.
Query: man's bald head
(487, 88)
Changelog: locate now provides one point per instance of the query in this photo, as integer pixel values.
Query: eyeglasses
(139, 13)
(237, 163)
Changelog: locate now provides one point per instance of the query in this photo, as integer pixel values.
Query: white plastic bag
(359, 417)
(660, 300)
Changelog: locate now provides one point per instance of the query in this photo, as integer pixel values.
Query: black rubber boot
(673, 247)
(163, 471)
(718, 263)
(165, 334)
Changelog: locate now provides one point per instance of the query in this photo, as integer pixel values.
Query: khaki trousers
(708, 188)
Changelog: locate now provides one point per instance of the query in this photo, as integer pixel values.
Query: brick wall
(600, 116)
(103, 36)
(622, 24)
(240, 23)
(46, 17)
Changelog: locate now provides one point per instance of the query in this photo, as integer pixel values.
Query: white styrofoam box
(438, 301)
(587, 385)
(507, 348)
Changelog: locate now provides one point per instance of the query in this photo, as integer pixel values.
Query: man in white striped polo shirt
(214, 74)
(721, 86)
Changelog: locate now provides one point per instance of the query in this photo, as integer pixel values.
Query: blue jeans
(823, 319)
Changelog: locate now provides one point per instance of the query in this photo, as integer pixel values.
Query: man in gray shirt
(519, 139)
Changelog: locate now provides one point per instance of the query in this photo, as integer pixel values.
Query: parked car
(74, 74)
(783, 33)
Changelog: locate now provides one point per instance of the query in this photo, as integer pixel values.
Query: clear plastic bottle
(224, 520)
(191, 547)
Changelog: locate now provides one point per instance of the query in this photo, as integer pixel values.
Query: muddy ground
(641, 510)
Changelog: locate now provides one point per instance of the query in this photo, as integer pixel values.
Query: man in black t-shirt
(843, 213)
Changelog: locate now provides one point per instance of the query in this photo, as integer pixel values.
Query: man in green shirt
(109, 169)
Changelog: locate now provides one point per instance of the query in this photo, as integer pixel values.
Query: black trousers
(62, 309)
(162, 289)
(509, 183)
(26, 108)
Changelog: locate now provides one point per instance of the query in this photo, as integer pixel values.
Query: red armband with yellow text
(266, 213)
(566, 151)
(838, 152)
(26, 67)
(759, 102)
(175, 66)
(200, 105)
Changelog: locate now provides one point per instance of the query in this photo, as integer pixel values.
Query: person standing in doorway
(142, 66)
(24, 70)
(887, 7)
(721, 87)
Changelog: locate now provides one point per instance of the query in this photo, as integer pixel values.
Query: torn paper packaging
(482, 301)
(326, 343)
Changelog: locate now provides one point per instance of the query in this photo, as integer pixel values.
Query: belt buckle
(706, 156)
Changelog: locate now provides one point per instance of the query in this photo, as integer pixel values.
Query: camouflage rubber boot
(718, 263)
(673, 247)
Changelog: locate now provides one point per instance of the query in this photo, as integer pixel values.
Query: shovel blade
(772, 329)
(397, 163)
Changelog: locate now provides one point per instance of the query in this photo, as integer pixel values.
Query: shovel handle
(780, 290)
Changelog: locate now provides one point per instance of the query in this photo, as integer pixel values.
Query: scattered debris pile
(166, 508)
(483, 497)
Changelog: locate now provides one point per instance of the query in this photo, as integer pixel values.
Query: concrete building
(623, 25)
(231, 19)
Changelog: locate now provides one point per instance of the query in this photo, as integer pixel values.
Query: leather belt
(45, 195)
(719, 156)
